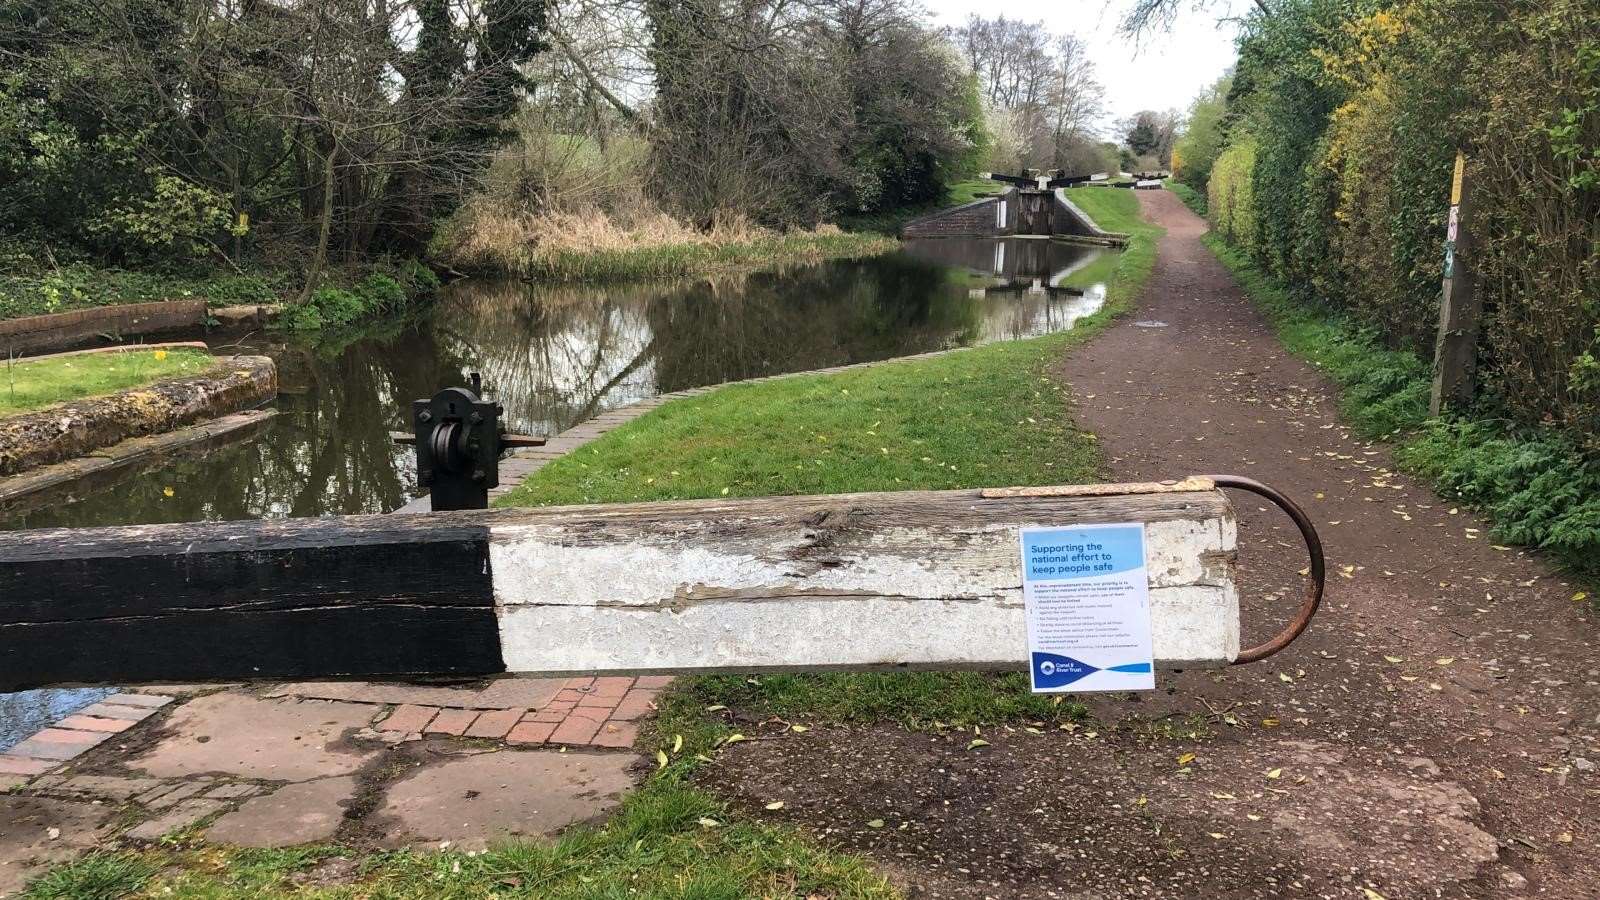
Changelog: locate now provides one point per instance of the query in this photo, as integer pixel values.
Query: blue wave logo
(1052, 670)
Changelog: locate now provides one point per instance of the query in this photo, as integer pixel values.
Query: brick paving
(585, 712)
(76, 734)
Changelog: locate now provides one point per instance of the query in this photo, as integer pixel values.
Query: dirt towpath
(1436, 733)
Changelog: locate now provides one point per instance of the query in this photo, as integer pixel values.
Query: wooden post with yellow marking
(1455, 353)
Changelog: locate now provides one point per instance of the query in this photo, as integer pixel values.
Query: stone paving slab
(477, 799)
(303, 813)
(281, 770)
(177, 818)
(111, 787)
(248, 737)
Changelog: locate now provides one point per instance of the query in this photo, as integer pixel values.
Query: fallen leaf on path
(1185, 759)
(1274, 774)
(875, 823)
(1395, 659)
(975, 743)
(776, 804)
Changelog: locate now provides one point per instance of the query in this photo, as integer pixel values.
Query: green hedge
(1343, 121)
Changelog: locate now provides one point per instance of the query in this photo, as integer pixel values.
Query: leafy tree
(1197, 148)
(1142, 137)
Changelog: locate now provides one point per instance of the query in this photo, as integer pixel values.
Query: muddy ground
(1435, 734)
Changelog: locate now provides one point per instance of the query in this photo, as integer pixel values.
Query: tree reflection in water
(555, 356)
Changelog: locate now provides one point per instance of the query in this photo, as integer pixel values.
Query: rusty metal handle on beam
(1316, 575)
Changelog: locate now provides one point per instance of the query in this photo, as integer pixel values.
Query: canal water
(555, 356)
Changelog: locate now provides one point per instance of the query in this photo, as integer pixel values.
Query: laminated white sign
(1088, 608)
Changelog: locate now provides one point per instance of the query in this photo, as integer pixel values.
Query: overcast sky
(1166, 71)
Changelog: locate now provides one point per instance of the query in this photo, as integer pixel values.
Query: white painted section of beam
(701, 596)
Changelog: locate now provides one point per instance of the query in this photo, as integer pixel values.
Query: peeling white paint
(702, 596)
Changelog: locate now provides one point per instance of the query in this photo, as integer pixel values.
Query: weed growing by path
(98, 876)
(1537, 486)
(913, 700)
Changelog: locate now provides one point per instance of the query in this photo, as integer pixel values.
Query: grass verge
(31, 384)
(1191, 198)
(1536, 485)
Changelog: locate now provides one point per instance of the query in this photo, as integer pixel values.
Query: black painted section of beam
(246, 601)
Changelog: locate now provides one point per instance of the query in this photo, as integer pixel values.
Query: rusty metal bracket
(1316, 576)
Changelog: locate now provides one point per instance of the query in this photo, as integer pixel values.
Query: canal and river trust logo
(1053, 670)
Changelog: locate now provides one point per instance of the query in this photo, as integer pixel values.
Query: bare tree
(1040, 89)
(1147, 17)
